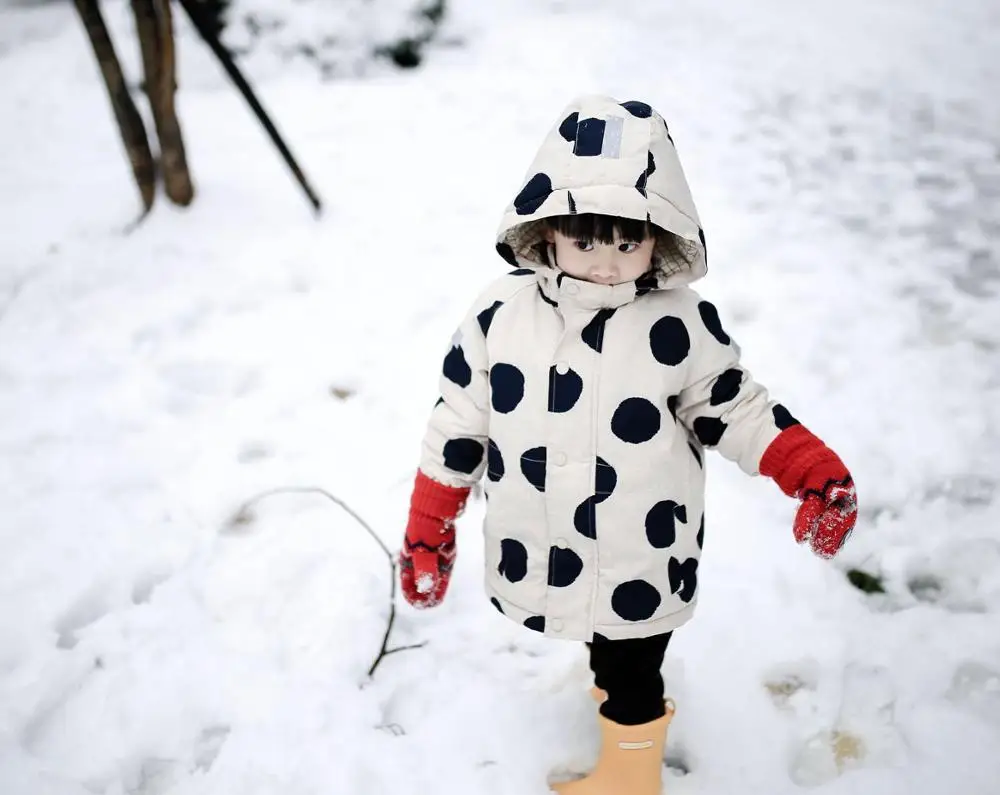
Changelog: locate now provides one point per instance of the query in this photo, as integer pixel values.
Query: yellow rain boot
(630, 760)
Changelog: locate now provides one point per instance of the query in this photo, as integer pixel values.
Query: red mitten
(805, 468)
(428, 552)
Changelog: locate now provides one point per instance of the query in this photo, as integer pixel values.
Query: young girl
(586, 384)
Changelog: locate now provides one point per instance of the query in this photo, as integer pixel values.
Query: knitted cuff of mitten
(436, 500)
(791, 455)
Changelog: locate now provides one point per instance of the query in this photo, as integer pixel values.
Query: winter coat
(588, 406)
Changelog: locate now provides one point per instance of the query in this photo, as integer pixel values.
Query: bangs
(602, 228)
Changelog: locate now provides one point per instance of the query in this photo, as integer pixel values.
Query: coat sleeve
(721, 403)
(455, 443)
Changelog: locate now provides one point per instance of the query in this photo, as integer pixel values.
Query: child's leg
(629, 672)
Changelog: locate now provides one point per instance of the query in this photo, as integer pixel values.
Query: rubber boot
(630, 760)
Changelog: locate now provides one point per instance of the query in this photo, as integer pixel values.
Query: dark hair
(675, 252)
(602, 228)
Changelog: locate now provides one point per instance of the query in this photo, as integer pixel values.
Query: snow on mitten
(428, 552)
(805, 468)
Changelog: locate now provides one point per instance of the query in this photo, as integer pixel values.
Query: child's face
(602, 263)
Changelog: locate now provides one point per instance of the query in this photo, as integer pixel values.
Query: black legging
(629, 671)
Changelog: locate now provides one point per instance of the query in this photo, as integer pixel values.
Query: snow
(844, 159)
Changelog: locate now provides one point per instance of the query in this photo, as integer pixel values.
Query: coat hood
(612, 158)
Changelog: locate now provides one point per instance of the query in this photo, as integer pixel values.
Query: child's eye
(627, 248)
(584, 245)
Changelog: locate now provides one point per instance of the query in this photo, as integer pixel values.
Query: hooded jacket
(587, 406)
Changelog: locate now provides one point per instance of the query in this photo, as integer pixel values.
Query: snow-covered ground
(846, 162)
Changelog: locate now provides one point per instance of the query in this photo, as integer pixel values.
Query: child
(586, 384)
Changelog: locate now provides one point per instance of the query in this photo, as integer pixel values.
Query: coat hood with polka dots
(588, 407)
(610, 158)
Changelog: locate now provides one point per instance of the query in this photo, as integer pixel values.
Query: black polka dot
(463, 455)
(726, 387)
(506, 387)
(568, 127)
(522, 272)
(695, 452)
(638, 109)
(640, 184)
(564, 567)
(533, 194)
(485, 317)
(669, 340)
(438, 402)
(783, 417)
(646, 284)
(672, 406)
(599, 638)
(456, 369)
(505, 251)
(709, 430)
(589, 137)
(710, 317)
(636, 420)
(537, 623)
(585, 517)
(496, 604)
(533, 467)
(661, 531)
(494, 462)
(683, 578)
(605, 479)
(593, 332)
(635, 600)
(564, 390)
(513, 560)
(570, 203)
(701, 533)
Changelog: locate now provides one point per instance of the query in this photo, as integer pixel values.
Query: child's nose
(606, 267)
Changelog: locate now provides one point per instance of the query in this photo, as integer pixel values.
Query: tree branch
(244, 516)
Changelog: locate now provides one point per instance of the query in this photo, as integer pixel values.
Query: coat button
(562, 368)
(572, 289)
(559, 458)
(561, 543)
(556, 624)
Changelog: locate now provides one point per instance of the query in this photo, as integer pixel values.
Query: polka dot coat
(588, 407)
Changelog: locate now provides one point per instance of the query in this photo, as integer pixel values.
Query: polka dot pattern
(593, 332)
(536, 623)
(564, 567)
(505, 251)
(783, 417)
(669, 341)
(533, 194)
(636, 600)
(726, 387)
(485, 318)
(636, 420)
(463, 455)
(710, 317)
(506, 387)
(564, 389)
(494, 462)
(638, 109)
(533, 467)
(709, 430)
(585, 516)
(683, 578)
(513, 560)
(456, 368)
(661, 530)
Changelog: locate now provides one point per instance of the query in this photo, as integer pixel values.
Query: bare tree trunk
(130, 124)
(154, 23)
